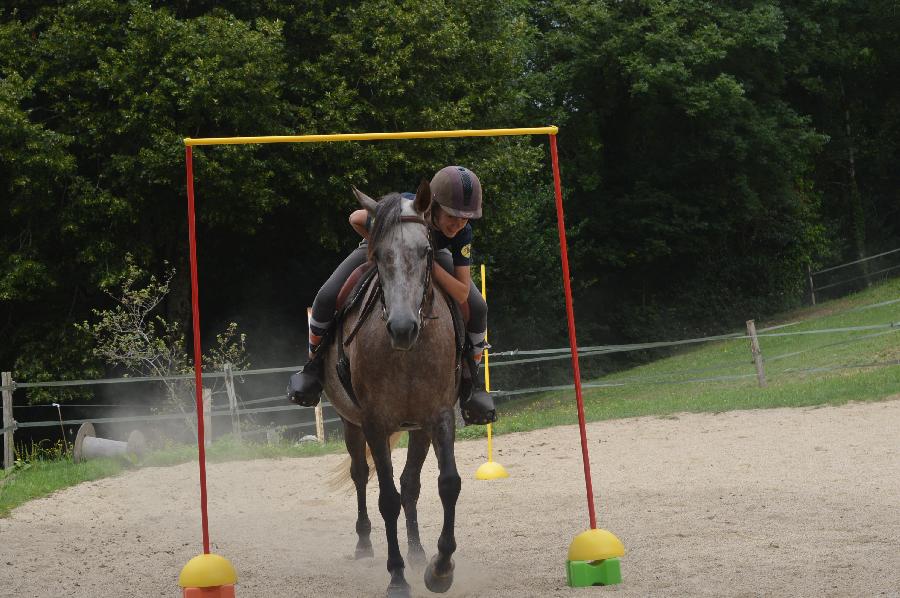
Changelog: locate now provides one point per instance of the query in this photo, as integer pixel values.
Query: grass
(42, 471)
(803, 370)
(45, 477)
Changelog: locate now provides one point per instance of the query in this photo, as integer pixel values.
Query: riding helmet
(458, 191)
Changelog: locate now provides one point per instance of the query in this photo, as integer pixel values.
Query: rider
(455, 199)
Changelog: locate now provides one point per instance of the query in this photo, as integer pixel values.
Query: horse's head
(400, 246)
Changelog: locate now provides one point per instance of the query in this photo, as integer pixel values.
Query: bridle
(427, 287)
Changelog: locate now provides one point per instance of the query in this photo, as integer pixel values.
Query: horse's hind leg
(439, 573)
(359, 472)
(389, 505)
(410, 485)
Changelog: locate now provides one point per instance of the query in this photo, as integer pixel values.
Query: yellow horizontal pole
(551, 130)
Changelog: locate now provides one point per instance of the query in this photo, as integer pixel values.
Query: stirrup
(305, 387)
(478, 409)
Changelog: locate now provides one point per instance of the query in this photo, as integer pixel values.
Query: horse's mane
(387, 216)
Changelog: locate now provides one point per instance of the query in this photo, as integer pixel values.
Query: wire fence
(729, 371)
(867, 270)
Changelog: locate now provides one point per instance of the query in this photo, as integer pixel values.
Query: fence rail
(867, 275)
(514, 357)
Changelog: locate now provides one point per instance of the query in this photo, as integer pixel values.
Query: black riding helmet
(458, 191)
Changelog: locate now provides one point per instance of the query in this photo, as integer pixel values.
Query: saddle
(363, 283)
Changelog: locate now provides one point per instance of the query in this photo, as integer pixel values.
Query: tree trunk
(857, 214)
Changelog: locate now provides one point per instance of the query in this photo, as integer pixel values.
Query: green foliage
(709, 153)
(134, 336)
(693, 199)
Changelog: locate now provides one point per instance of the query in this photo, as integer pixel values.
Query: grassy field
(814, 368)
(44, 472)
(802, 370)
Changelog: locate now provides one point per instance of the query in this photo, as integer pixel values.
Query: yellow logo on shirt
(466, 251)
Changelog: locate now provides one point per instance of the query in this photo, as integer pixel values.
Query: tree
(133, 335)
(686, 167)
(842, 58)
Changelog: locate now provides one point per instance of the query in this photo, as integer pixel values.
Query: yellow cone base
(490, 471)
(595, 545)
(582, 574)
(208, 576)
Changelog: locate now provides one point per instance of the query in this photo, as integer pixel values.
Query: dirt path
(786, 502)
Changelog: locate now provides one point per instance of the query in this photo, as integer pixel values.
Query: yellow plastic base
(595, 545)
(490, 471)
(207, 571)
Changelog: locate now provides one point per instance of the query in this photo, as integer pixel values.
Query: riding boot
(476, 404)
(306, 385)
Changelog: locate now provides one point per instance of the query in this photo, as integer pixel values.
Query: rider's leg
(476, 404)
(306, 385)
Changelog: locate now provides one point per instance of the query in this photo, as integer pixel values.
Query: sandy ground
(799, 502)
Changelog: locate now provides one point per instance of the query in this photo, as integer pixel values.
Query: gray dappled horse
(403, 368)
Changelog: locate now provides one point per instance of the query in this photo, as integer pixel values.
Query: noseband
(427, 288)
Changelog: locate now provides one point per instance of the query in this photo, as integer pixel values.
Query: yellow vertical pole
(487, 367)
(489, 470)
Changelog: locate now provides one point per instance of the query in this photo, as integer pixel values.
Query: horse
(403, 376)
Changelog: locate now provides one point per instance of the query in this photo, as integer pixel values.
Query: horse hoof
(364, 552)
(416, 558)
(438, 583)
(399, 590)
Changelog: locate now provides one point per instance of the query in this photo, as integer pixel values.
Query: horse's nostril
(403, 332)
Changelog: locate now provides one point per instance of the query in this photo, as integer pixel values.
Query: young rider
(455, 199)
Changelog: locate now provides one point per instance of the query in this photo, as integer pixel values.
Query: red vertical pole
(573, 344)
(198, 360)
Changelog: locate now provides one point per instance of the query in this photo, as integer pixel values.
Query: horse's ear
(423, 197)
(368, 204)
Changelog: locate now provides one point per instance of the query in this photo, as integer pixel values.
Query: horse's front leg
(439, 573)
(410, 485)
(389, 505)
(359, 472)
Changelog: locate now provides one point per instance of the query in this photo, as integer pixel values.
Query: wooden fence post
(232, 403)
(9, 423)
(812, 286)
(207, 416)
(320, 424)
(757, 354)
(320, 420)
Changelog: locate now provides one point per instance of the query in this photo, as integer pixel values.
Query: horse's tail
(340, 476)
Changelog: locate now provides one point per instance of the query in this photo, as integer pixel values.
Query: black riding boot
(306, 385)
(476, 404)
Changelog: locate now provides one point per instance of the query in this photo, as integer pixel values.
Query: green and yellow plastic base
(594, 559)
(208, 576)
